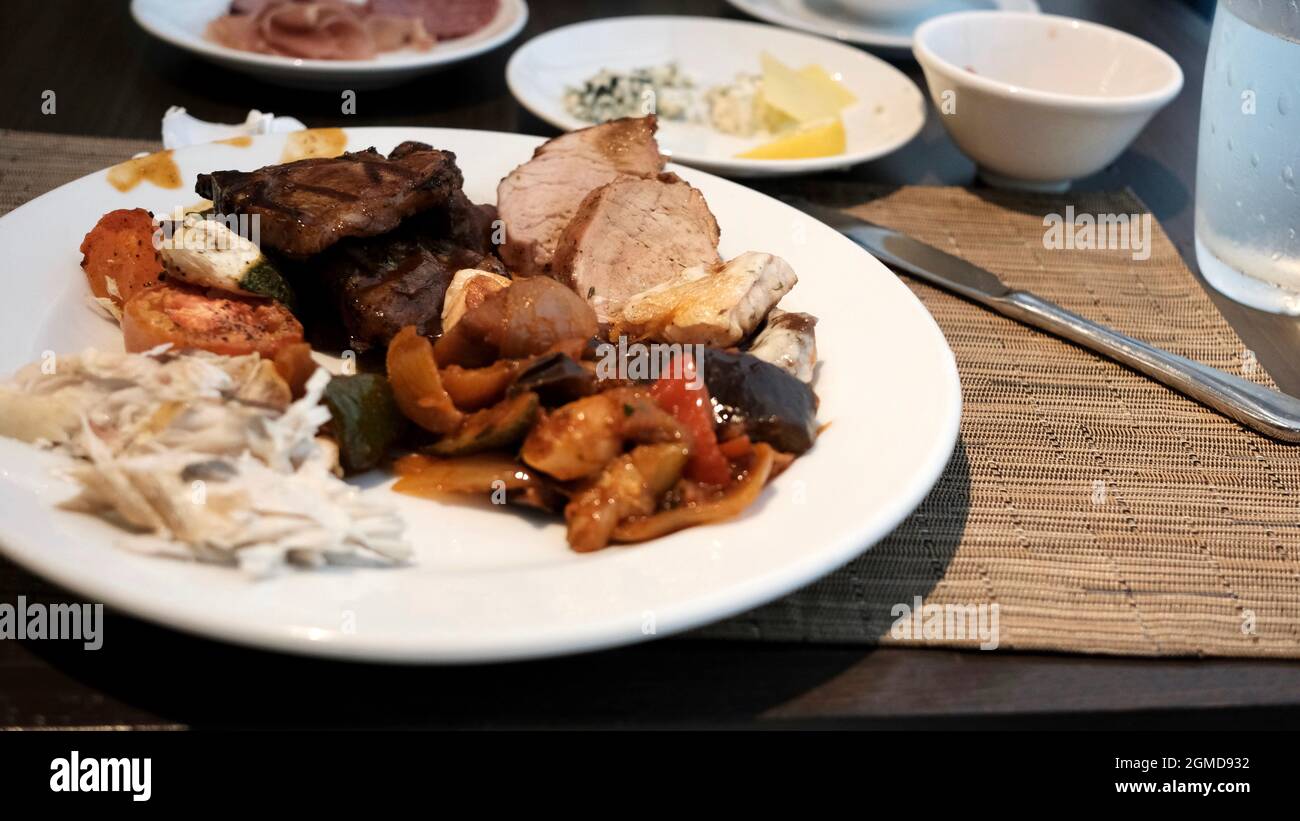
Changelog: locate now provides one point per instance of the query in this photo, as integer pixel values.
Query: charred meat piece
(305, 207)
(383, 284)
(538, 198)
(770, 404)
(634, 234)
(470, 226)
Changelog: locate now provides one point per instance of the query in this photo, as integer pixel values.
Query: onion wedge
(417, 387)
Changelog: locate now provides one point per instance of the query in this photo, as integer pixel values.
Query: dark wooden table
(112, 80)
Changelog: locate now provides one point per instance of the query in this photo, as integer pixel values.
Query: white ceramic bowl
(1040, 100)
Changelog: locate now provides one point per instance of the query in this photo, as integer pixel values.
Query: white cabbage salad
(204, 453)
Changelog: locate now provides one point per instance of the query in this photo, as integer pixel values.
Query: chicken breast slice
(716, 305)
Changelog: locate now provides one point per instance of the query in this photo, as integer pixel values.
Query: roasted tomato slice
(190, 318)
(120, 248)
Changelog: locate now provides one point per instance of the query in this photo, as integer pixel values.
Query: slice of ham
(317, 29)
(443, 19)
(391, 32)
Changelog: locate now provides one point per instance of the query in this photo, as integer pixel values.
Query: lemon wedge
(824, 139)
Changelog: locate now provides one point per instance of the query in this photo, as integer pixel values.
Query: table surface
(113, 80)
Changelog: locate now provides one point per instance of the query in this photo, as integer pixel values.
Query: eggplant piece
(501, 425)
(365, 420)
(770, 404)
(556, 378)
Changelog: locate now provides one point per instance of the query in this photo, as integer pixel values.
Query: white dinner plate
(890, 109)
(889, 34)
(487, 584)
(182, 23)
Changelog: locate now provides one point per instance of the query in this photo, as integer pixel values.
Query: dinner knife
(1270, 412)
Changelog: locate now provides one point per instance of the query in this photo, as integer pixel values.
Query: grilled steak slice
(538, 198)
(383, 284)
(631, 235)
(307, 206)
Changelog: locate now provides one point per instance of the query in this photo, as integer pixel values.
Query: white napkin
(179, 129)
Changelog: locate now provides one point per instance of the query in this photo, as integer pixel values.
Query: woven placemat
(1100, 512)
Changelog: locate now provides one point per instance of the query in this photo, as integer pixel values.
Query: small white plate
(182, 24)
(890, 109)
(834, 18)
(487, 584)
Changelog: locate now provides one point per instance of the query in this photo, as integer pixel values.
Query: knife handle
(1269, 412)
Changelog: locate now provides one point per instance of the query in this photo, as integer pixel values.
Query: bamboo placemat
(1100, 512)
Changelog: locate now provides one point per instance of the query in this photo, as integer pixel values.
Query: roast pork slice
(539, 198)
(716, 305)
(633, 234)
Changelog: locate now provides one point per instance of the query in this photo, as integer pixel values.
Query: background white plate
(889, 112)
(488, 584)
(892, 36)
(181, 23)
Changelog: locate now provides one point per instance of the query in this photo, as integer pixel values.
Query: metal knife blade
(915, 257)
(1267, 411)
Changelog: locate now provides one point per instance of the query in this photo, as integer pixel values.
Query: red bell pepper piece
(687, 399)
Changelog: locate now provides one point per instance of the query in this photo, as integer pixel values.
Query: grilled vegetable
(417, 385)
(365, 421)
(206, 253)
(730, 503)
(687, 399)
(630, 485)
(118, 255)
(476, 388)
(295, 365)
(425, 476)
(531, 317)
(187, 318)
(772, 405)
(495, 427)
(579, 439)
(556, 378)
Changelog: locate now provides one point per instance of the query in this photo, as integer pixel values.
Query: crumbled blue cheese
(608, 95)
(738, 107)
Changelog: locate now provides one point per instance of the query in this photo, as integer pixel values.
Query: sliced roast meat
(305, 207)
(631, 235)
(539, 198)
